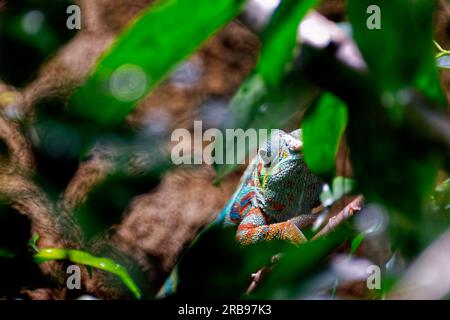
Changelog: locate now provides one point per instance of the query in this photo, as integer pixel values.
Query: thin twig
(349, 210)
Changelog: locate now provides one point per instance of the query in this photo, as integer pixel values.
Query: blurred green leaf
(406, 58)
(322, 131)
(341, 186)
(5, 253)
(356, 243)
(400, 51)
(280, 40)
(443, 62)
(389, 170)
(145, 52)
(84, 258)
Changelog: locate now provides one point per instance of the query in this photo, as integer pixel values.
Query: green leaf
(33, 242)
(280, 40)
(145, 52)
(436, 220)
(396, 53)
(356, 242)
(322, 131)
(84, 258)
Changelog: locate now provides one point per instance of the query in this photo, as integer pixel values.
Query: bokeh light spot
(32, 22)
(128, 83)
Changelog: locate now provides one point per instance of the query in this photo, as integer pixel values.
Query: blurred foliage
(30, 31)
(356, 243)
(436, 219)
(322, 132)
(377, 139)
(280, 40)
(392, 166)
(272, 94)
(147, 51)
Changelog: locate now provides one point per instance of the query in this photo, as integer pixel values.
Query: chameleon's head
(279, 148)
(287, 187)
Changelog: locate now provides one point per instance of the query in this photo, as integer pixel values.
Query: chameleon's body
(274, 198)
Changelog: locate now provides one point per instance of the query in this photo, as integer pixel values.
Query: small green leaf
(84, 258)
(356, 242)
(89, 270)
(322, 131)
(405, 39)
(33, 242)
